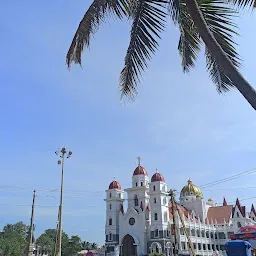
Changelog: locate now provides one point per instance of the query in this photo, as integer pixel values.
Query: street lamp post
(62, 153)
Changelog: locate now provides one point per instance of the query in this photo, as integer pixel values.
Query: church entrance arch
(129, 247)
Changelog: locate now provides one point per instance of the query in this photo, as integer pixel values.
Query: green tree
(156, 254)
(209, 21)
(47, 240)
(13, 239)
(94, 246)
(73, 247)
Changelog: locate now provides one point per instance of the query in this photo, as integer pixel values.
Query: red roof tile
(220, 213)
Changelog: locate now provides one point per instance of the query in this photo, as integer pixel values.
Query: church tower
(159, 207)
(114, 203)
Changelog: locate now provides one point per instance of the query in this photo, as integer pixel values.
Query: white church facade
(147, 224)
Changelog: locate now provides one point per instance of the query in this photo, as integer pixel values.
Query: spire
(238, 203)
(224, 202)
(253, 210)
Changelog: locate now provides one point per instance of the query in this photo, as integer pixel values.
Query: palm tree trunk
(221, 57)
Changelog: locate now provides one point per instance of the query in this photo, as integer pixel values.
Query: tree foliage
(70, 245)
(149, 19)
(156, 254)
(13, 239)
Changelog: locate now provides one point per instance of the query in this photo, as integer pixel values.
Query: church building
(147, 224)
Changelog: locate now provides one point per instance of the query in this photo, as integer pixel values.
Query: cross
(114, 178)
(139, 160)
(156, 170)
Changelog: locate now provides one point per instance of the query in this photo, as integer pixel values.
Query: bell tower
(159, 207)
(114, 202)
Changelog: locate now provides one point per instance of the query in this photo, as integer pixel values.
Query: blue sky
(178, 123)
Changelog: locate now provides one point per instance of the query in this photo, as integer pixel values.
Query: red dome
(157, 177)
(140, 171)
(114, 185)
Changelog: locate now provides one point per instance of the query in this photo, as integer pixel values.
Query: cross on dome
(156, 170)
(139, 160)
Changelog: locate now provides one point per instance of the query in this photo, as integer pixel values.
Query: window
(154, 188)
(110, 206)
(110, 221)
(136, 201)
(237, 215)
(165, 216)
(155, 216)
(136, 184)
(155, 200)
(164, 200)
(110, 195)
(119, 195)
(239, 224)
(110, 236)
(167, 232)
(141, 183)
(156, 233)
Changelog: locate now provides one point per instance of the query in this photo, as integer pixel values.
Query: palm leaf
(189, 43)
(174, 9)
(218, 19)
(221, 81)
(89, 25)
(148, 22)
(241, 4)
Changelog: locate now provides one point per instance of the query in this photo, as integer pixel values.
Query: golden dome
(191, 190)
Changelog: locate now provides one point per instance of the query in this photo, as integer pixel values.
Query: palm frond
(221, 81)
(174, 9)
(89, 25)
(241, 4)
(189, 43)
(148, 23)
(218, 19)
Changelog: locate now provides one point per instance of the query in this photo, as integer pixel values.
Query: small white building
(147, 223)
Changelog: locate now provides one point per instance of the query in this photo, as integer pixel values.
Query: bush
(156, 254)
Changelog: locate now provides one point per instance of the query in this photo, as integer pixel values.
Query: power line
(228, 178)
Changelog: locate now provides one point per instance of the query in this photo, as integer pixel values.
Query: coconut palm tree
(201, 23)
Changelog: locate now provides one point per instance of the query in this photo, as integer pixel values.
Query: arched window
(110, 206)
(155, 200)
(136, 184)
(136, 201)
(110, 195)
(154, 188)
(165, 216)
(110, 236)
(156, 216)
(239, 224)
(156, 233)
(237, 215)
(110, 221)
(164, 200)
(141, 183)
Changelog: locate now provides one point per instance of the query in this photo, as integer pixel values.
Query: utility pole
(62, 153)
(172, 195)
(30, 251)
(174, 204)
(57, 231)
